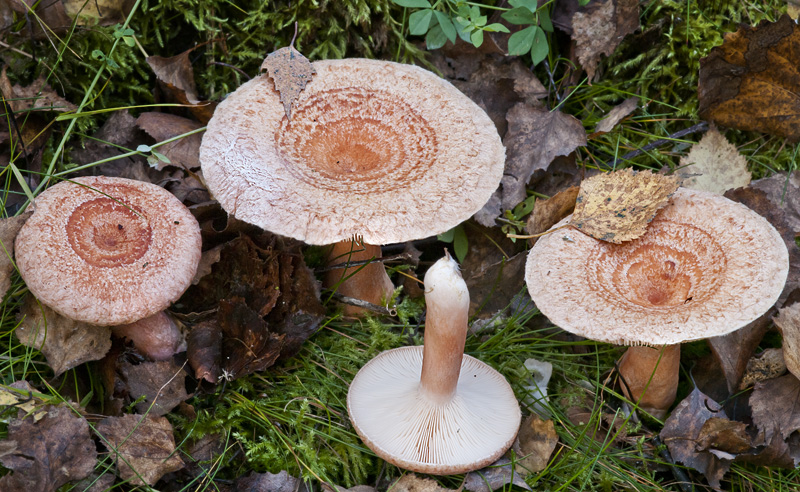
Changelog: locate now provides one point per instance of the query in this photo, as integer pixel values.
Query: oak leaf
(290, 71)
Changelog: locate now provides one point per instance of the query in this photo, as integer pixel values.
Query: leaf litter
(290, 72)
(714, 164)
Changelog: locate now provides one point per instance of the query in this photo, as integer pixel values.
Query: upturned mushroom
(433, 409)
(108, 251)
(375, 150)
(706, 266)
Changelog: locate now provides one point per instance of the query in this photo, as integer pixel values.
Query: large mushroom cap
(108, 251)
(705, 267)
(376, 149)
(392, 417)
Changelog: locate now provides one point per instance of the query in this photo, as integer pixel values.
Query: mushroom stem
(366, 282)
(156, 336)
(650, 376)
(447, 300)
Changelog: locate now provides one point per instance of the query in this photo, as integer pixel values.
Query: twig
(349, 264)
(700, 127)
(531, 236)
(364, 304)
(295, 35)
(231, 66)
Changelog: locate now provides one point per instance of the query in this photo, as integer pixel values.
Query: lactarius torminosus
(432, 409)
(705, 267)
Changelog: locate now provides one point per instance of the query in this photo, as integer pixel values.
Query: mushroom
(705, 267)
(375, 150)
(156, 336)
(108, 251)
(433, 409)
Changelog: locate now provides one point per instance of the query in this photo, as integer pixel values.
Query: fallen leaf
(750, 82)
(8, 231)
(497, 475)
(776, 406)
(766, 365)
(65, 343)
(160, 383)
(142, 446)
(51, 18)
(534, 139)
(97, 12)
(248, 345)
(272, 482)
(535, 444)
(50, 453)
(183, 153)
(718, 162)
(788, 321)
(176, 78)
(733, 351)
(617, 206)
(536, 392)
(411, 482)
(96, 483)
(783, 191)
(719, 433)
(38, 96)
(682, 430)
(357, 488)
(617, 114)
(546, 213)
(290, 72)
(599, 28)
(776, 453)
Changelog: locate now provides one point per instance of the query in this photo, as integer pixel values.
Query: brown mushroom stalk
(433, 409)
(366, 282)
(156, 336)
(650, 376)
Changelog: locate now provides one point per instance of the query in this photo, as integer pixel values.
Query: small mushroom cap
(375, 149)
(401, 426)
(706, 266)
(108, 251)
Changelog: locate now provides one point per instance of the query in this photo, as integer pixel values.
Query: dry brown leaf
(183, 153)
(734, 350)
(750, 82)
(783, 190)
(142, 446)
(65, 343)
(411, 482)
(682, 430)
(8, 231)
(534, 139)
(176, 78)
(290, 71)
(617, 114)
(721, 434)
(599, 28)
(38, 96)
(617, 206)
(536, 441)
(498, 475)
(766, 365)
(49, 453)
(272, 482)
(162, 384)
(98, 12)
(204, 351)
(718, 163)
(546, 213)
(788, 321)
(776, 406)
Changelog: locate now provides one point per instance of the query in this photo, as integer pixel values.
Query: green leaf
(419, 22)
(447, 25)
(447, 237)
(519, 16)
(129, 41)
(530, 5)
(143, 148)
(420, 4)
(476, 38)
(436, 38)
(480, 21)
(496, 28)
(161, 157)
(463, 30)
(544, 20)
(521, 42)
(460, 243)
(474, 13)
(540, 49)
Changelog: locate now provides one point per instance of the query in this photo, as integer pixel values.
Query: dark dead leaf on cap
(776, 406)
(8, 232)
(788, 321)
(617, 114)
(534, 139)
(750, 82)
(184, 152)
(49, 453)
(65, 343)
(733, 351)
(142, 446)
(682, 430)
(717, 163)
(498, 475)
(617, 206)
(176, 78)
(546, 213)
(599, 27)
(725, 435)
(273, 482)
(248, 345)
(162, 384)
(204, 350)
(290, 72)
(536, 441)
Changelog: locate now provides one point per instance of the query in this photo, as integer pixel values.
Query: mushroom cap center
(673, 264)
(366, 139)
(108, 233)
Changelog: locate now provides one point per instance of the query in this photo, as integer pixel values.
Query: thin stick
(295, 35)
(348, 264)
(531, 236)
(364, 304)
(700, 127)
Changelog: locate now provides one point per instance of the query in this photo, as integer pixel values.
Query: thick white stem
(447, 300)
